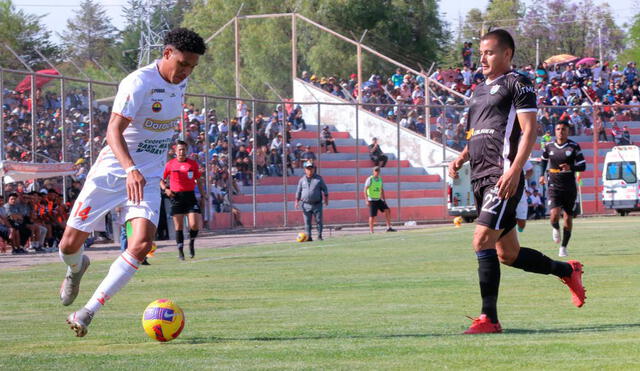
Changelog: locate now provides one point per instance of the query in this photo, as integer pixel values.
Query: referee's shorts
(375, 206)
(184, 203)
(494, 212)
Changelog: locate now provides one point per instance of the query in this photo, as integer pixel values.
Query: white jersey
(154, 107)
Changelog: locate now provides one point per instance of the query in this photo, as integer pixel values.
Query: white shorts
(523, 208)
(103, 193)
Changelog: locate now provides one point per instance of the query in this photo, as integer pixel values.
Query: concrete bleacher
(420, 195)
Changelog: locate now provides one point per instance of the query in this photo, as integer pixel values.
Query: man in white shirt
(127, 173)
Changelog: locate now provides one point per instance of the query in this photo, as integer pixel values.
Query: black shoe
(192, 256)
(320, 238)
(180, 255)
(391, 230)
(309, 239)
(192, 252)
(145, 262)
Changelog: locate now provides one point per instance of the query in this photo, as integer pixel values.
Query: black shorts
(493, 212)
(565, 199)
(184, 203)
(376, 205)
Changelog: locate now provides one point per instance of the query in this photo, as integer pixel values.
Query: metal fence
(254, 186)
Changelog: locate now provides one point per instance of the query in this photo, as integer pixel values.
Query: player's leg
(484, 245)
(306, 214)
(554, 218)
(387, 216)
(178, 223)
(317, 214)
(72, 254)
(568, 225)
(195, 222)
(373, 212)
(511, 253)
(120, 272)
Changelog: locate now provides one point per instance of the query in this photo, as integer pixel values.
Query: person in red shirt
(184, 174)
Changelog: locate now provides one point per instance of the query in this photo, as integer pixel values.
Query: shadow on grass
(567, 330)
(514, 331)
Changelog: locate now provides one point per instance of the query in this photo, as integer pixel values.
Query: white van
(621, 190)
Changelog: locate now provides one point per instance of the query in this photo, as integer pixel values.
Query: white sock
(119, 274)
(73, 261)
(43, 235)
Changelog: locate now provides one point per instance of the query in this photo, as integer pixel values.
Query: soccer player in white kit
(145, 114)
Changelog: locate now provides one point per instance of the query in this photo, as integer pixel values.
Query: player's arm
(163, 182)
(456, 164)
(508, 182)
(579, 164)
(544, 161)
(325, 192)
(115, 140)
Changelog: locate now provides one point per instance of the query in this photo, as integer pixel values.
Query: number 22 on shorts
(82, 214)
(491, 201)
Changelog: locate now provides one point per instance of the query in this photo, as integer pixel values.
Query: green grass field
(388, 301)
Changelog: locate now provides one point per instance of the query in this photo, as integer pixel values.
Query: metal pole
(537, 52)
(207, 205)
(229, 163)
(444, 168)
(357, 164)
(254, 166)
(236, 31)
(34, 105)
(319, 142)
(285, 170)
(2, 154)
(91, 133)
(63, 124)
(398, 206)
(595, 160)
(600, 43)
(294, 46)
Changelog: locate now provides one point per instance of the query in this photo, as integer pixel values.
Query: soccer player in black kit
(564, 158)
(502, 109)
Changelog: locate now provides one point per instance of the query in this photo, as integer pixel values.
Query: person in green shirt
(374, 194)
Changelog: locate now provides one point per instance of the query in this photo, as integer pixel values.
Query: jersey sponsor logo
(523, 89)
(494, 89)
(156, 107)
(160, 125)
(154, 146)
(159, 91)
(481, 132)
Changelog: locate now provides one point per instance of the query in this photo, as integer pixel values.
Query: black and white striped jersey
(493, 129)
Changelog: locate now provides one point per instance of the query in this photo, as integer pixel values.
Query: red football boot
(483, 325)
(574, 281)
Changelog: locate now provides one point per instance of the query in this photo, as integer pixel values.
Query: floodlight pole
(294, 46)
(236, 31)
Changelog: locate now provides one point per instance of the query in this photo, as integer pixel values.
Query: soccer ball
(457, 221)
(302, 237)
(163, 320)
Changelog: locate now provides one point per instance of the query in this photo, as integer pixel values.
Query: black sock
(566, 235)
(192, 240)
(489, 277)
(534, 261)
(180, 239)
(556, 225)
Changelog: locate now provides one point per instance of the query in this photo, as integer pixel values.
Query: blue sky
(56, 13)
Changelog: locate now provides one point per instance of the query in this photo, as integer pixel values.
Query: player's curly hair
(185, 40)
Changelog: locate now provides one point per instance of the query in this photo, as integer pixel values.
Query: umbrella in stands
(588, 61)
(561, 59)
(25, 84)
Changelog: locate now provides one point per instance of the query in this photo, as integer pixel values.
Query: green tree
(90, 34)
(24, 33)
(632, 51)
(395, 28)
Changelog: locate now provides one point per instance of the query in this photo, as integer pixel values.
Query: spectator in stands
(376, 154)
(625, 138)
(616, 133)
(16, 213)
(328, 140)
(536, 206)
(275, 163)
(297, 155)
(308, 155)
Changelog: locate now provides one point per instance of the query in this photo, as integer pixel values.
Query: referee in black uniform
(502, 110)
(564, 158)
